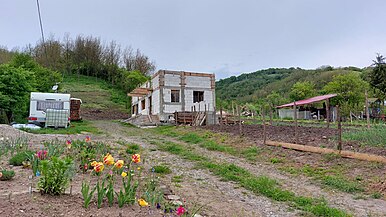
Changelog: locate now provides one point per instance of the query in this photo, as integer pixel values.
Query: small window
(49, 104)
(175, 96)
(198, 96)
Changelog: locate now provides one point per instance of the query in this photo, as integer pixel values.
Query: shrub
(7, 175)
(17, 159)
(56, 174)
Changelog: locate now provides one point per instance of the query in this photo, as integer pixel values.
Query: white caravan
(41, 102)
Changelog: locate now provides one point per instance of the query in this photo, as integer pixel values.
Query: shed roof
(308, 101)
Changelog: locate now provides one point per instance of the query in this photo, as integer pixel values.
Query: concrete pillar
(182, 92)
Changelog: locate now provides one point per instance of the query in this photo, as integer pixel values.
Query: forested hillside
(253, 86)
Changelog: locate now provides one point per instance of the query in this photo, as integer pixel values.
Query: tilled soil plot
(320, 137)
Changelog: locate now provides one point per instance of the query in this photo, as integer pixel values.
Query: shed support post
(338, 116)
(296, 122)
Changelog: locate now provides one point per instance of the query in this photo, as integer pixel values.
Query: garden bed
(319, 137)
(52, 179)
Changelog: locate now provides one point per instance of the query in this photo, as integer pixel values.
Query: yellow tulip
(94, 163)
(136, 158)
(123, 174)
(108, 159)
(142, 202)
(99, 167)
(119, 164)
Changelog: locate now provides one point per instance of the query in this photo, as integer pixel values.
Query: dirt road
(228, 199)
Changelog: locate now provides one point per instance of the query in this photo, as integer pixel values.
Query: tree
(15, 86)
(45, 77)
(274, 99)
(137, 62)
(350, 89)
(302, 90)
(377, 76)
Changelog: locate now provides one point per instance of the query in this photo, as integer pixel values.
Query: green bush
(7, 175)
(56, 174)
(17, 159)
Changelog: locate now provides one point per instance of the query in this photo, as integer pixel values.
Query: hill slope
(100, 100)
(252, 86)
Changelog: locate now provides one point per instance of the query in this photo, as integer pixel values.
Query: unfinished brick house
(171, 95)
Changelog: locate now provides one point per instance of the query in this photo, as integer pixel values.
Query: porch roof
(140, 91)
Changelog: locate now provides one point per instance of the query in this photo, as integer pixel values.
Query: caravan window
(49, 104)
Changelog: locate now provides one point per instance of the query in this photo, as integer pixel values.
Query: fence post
(264, 129)
(239, 113)
(192, 115)
(175, 117)
(338, 116)
(296, 122)
(367, 110)
(221, 115)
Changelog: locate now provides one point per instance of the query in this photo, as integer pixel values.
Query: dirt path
(303, 186)
(200, 186)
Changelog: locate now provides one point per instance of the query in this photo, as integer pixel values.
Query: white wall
(208, 100)
(195, 81)
(172, 108)
(155, 82)
(155, 102)
(172, 80)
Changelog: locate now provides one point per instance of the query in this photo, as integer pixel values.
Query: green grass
(162, 169)
(329, 178)
(375, 136)
(275, 160)
(177, 179)
(7, 175)
(342, 184)
(133, 149)
(260, 185)
(251, 153)
(166, 131)
(76, 127)
(376, 195)
(191, 138)
(17, 159)
(179, 150)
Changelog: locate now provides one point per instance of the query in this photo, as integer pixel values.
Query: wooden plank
(345, 154)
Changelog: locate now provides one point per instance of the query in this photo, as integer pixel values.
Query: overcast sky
(222, 36)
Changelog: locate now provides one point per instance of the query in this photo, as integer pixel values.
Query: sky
(226, 37)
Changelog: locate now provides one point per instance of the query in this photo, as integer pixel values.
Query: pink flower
(180, 211)
(42, 154)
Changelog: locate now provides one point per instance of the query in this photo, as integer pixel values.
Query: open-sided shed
(306, 113)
